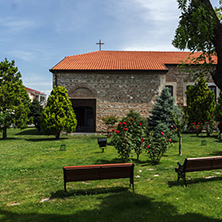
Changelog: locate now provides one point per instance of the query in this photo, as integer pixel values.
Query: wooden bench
(98, 172)
(198, 164)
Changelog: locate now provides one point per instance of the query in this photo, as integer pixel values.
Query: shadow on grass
(193, 181)
(115, 160)
(45, 139)
(217, 153)
(121, 206)
(29, 132)
(86, 192)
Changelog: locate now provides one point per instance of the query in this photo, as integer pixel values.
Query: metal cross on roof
(100, 43)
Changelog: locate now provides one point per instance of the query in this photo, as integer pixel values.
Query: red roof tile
(122, 60)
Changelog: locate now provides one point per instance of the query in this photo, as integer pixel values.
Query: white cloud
(159, 10)
(24, 55)
(15, 24)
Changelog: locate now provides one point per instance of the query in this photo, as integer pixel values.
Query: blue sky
(37, 34)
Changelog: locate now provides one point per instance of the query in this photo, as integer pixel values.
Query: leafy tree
(36, 112)
(200, 30)
(162, 111)
(58, 114)
(14, 100)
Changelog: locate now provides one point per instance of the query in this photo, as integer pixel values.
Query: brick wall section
(115, 92)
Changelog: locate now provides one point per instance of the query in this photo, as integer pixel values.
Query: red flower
(125, 129)
(117, 131)
(148, 146)
(197, 127)
(162, 133)
(140, 124)
(120, 123)
(110, 135)
(131, 120)
(171, 126)
(124, 123)
(113, 130)
(142, 140)
(170, 140)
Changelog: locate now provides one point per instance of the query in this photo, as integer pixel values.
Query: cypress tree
(58, 114)
(200, 102)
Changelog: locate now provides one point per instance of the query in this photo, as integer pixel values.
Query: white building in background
(40, 96)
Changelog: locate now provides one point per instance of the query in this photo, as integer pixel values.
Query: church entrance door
(85, 110)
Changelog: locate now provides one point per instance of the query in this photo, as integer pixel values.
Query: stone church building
(104, 83)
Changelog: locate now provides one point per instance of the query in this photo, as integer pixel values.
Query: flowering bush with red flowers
(208, 125)
(197, 127)
(157, 143)
(129, 135)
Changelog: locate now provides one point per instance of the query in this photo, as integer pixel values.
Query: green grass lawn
(31, 182)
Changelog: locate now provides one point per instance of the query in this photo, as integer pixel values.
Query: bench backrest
(202, 163)
(98, 172)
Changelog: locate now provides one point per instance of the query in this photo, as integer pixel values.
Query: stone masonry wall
(115, 92)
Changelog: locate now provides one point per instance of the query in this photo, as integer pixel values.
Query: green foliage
(158, 142)
(14, 100)
(129, 135)
(162, 111)
(36, 112)
(110, 120)
(218, 112)
(200, 102)
(58, 114)
(196, 31)
(196, 26)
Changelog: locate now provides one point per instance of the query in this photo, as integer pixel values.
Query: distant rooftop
(123, 60)
(34, 91)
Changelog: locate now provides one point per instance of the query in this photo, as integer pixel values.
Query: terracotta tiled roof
(122, 60)
(34, 91)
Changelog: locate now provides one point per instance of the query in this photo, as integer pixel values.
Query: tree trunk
(4, 133)
(57, 135)
(180, 145)
(217, 41)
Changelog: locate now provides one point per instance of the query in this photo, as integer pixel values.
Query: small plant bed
(31, 187)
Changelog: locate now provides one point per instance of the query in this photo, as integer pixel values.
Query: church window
(170, 88)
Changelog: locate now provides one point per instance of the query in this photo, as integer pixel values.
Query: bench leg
(183, 176)
(132, 183)
(65, 186)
